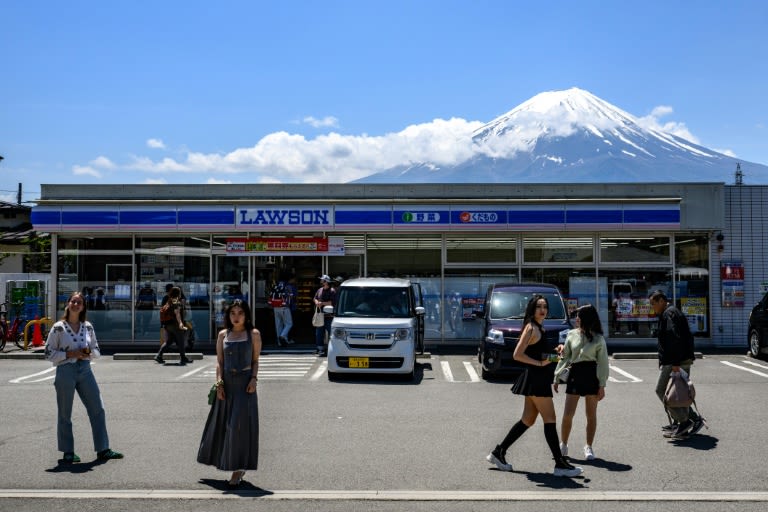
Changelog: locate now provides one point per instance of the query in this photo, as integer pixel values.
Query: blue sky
(329, 91)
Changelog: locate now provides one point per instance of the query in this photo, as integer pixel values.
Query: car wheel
(485, 374)
(754, 343)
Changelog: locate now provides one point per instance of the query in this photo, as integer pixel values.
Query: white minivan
(378, 326)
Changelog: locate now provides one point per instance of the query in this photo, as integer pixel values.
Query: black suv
(503, 321)
(757, 337)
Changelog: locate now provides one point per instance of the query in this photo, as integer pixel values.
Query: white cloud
(155, 144)
(154, 181)
(217, 181)
(102, 162)
(326, 122)
(282, 157)
(84, 170)
(652, 122)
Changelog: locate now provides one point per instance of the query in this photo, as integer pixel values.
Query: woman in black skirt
(586, 353)
(535, 383)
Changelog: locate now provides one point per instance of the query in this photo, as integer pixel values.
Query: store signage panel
(421, 217)
(309, 217)
(651, 216)
(472, 217)
(315, 246)
(538, 218)
(371, 218)
(593, 216)
(142, 219)
(199, 218)
(46, 219)
(92, 219)
(732, 277)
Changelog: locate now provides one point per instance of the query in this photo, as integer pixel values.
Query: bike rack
(32, 323)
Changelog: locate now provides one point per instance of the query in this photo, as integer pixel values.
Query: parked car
(757, 337)
(503, 321)
(378, 326)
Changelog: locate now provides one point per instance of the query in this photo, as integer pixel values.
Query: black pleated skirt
(582, 380)
(535, 381)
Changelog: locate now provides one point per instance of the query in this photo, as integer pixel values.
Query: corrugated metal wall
(745, 239)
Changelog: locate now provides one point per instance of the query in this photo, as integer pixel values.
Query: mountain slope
(574, 136)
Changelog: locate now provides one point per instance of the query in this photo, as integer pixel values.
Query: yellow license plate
(358, 362)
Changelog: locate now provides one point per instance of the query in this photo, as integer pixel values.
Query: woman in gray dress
(230, 439)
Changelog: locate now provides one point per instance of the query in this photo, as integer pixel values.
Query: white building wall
(745, 239)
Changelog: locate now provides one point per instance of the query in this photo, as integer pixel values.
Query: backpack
(680, 391)
(278, 296)
(166, 313)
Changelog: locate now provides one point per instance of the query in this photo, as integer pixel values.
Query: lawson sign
(295, 217)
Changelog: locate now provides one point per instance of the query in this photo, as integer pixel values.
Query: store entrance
(250, 278)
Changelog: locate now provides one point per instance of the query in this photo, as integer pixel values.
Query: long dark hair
(589, 321)
(530, 312)
(82, 315)
(237, 303)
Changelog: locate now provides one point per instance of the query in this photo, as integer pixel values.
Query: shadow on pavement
(245, 488)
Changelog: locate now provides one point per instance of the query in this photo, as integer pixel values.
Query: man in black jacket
(675, 352)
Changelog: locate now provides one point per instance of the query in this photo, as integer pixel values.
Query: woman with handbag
(325, 296)
(585, 361)
(230, 440)
(535, 384)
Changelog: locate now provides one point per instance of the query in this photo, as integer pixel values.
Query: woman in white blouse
(71, 346)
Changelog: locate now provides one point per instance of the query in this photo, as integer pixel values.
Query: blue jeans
(321, 331)
(71, 377)
(283, 322)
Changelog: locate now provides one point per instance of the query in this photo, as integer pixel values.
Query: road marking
(631, 377)
(560, 495)
(747, 361)
(320, 371)
(191, 373)
(20, 380)
(750, 370)
(446, 366)
(473, 376)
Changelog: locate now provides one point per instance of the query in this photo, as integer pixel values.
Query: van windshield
(381, 302)
(511, 305)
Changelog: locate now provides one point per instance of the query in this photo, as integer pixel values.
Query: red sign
(732, 270)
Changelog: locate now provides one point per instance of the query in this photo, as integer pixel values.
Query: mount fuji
(573, 136)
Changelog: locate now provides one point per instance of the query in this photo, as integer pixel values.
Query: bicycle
(12, 332)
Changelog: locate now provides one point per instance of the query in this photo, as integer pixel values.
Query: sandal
(235, 481)
(70, 458)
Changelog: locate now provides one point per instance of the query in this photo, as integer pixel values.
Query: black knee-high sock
(514, 433)
(550, 434)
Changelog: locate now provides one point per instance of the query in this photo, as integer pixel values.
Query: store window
(629, 310)
(579, 286)
(692, 281)
(558, 250)
(465, 291)
(480, 249)
(635, 248)
(162, 262)
(403, 255)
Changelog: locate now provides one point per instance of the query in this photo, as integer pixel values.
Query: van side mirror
(420, 310)
(328, 309)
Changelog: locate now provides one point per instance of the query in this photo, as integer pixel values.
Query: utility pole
(18, 196)
(739, 175)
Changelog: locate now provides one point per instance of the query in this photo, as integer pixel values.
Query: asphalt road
(382, 444)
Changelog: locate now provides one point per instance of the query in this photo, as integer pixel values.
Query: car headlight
(495, 336)
(402, 334)
(340, 333)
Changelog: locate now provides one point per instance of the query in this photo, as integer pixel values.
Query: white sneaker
(567, 470)
(564, 449)
(588, 453)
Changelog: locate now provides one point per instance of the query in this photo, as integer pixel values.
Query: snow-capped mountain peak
(573, 135)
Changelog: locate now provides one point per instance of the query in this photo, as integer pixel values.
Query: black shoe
(497, 457)
(282, 341)
(671, 427)
(697, 426)
(682, 431)
(185, 360)
(70, 458)
(160, 359)
(109, 455)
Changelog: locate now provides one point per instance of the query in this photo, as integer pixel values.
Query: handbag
(680, 391)
(318, 319)
(212, 394)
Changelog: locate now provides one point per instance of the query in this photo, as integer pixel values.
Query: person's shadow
(80, 467)
(245, 488)
(601, 463)
(556, 482)
(697, 442)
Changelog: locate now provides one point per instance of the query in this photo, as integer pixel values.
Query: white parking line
(756, 364)
(473, 376)
(750, 370)
(21, 380)
(446, 366)
(320, 371)
(191, 373)
(631, 377)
